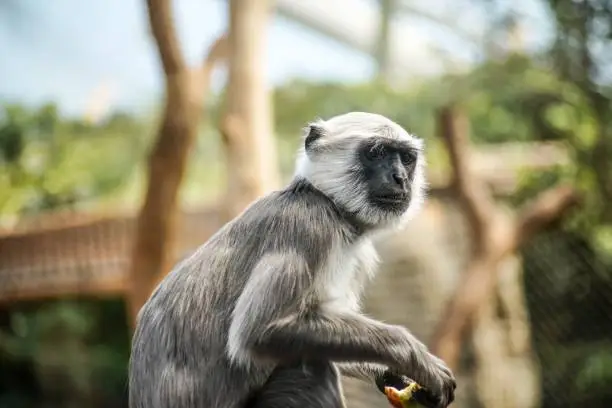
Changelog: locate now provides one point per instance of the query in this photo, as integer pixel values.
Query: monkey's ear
(314, 132)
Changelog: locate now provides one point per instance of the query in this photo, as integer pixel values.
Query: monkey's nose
(400, 179)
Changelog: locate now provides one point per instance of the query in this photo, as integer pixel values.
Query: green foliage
(517, 99)
(595, 374)
(71, 351)
(49, 162)
(581, 56)
(514, 100)
(568, 287)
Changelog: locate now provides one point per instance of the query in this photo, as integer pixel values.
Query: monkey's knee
(303, 385)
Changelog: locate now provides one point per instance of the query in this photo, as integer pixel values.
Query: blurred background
(131, 130)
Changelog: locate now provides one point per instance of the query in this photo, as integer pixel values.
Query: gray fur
(276, 292)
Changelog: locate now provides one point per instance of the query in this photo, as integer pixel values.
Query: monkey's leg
(301, 385)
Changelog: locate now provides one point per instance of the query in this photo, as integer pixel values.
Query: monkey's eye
(375, 152)
(408, 158)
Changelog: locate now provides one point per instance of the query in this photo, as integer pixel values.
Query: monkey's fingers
(425, 398)
(413, 396)
(403, 398)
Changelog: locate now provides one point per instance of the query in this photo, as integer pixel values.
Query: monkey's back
(178, 351)
(179, 354)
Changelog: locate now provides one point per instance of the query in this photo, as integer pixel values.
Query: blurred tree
(582, 55)
(387, 10)
(246, 121)
(568, 290)
(185, 89)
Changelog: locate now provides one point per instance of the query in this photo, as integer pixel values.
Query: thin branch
(447, 339)
(164, 32)
(202, 76)
(548, 208)
(218, 51)
(474, 197)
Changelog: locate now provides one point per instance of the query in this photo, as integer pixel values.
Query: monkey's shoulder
(301, 204)
(298, 211)
(298, 218)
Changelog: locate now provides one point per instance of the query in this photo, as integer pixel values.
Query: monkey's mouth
(396, 203)
(392, 198)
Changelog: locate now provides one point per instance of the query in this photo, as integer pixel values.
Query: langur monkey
(266, 313)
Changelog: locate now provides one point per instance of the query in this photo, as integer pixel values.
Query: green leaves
(83, 343)
(47, 161)
(11, 142)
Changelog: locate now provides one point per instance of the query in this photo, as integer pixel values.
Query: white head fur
(331, 162)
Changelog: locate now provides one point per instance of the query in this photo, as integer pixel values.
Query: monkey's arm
(278, 317)
(368, 372)
(373, 373)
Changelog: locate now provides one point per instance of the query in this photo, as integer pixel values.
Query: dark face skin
(388, 170)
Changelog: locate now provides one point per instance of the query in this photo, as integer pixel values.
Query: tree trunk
(246, 125)
(501, 344)
(383, 43)
(154, 244)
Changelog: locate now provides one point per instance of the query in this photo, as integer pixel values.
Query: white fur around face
(330, 167)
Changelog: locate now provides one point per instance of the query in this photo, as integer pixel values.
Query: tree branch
(246, 122)
(548, 208)
(474, 197)
(218, 51)
(202, 75)
(486, 223)
(475, 286)
(164, 32)
(479, 281)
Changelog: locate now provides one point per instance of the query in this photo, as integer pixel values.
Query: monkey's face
(387, 169)
(368, 165)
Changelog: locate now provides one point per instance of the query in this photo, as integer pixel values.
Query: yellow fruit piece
(402, 398)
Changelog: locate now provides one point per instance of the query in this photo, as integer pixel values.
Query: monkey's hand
(402, 392)
(427, 370)
(407, 397)
(391, 379)
(401, 399)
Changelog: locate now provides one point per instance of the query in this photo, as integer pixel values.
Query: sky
(68, 50)
(65, 58)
